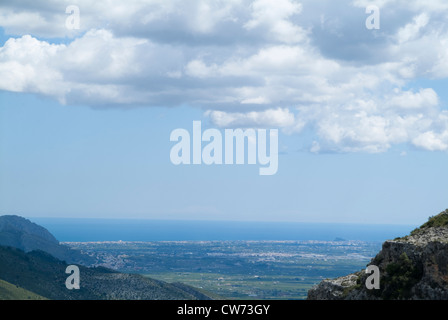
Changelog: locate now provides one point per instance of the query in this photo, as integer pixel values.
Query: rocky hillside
(33, 264)
(42, 274)
(412, 267)
(18, 232)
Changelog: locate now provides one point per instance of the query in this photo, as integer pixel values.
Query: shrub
(399, 278)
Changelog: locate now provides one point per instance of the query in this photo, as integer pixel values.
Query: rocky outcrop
(21, 233)
(333, 289)
(414, 267)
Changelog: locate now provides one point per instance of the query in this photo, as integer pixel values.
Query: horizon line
(224, 220)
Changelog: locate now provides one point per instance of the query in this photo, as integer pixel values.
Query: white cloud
(425, 98)
(257, 100)
(356, 132)
(412, 30)
(24, 67)
(272, 18)
(288, 64)
(432, 141)
(198, 69)
(269, 118)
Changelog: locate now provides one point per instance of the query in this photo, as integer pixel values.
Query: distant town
(236, 269)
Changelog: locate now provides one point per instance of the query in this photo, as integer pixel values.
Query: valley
(235, 269)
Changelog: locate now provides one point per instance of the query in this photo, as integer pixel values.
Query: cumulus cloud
(425, 98)
(412, 30)
(289, 64)
(432, 141)
(279, 118)
(273, 19)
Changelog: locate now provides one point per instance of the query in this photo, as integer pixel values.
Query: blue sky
(86, 115)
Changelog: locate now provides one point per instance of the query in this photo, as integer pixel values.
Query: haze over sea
(83, 230)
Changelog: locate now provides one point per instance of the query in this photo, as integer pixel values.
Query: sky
(90, 93)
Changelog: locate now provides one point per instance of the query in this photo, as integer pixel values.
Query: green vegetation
(172, 269)
(31, 260)
(360, 282)
(237, 269)
(440, 220)
(399, 279)
(244, 287)
(41, 273)
(9, 291)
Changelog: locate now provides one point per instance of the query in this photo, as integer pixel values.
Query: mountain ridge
(413, 267)
(30, 259)
(21, 233)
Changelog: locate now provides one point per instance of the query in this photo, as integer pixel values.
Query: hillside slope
(33, 262)
(41, 273)
(18, 232)
(414, 267)
(9, 291)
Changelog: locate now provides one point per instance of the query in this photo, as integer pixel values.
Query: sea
(89, 230)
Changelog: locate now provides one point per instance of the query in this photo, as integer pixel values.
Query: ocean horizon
(90, 229)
